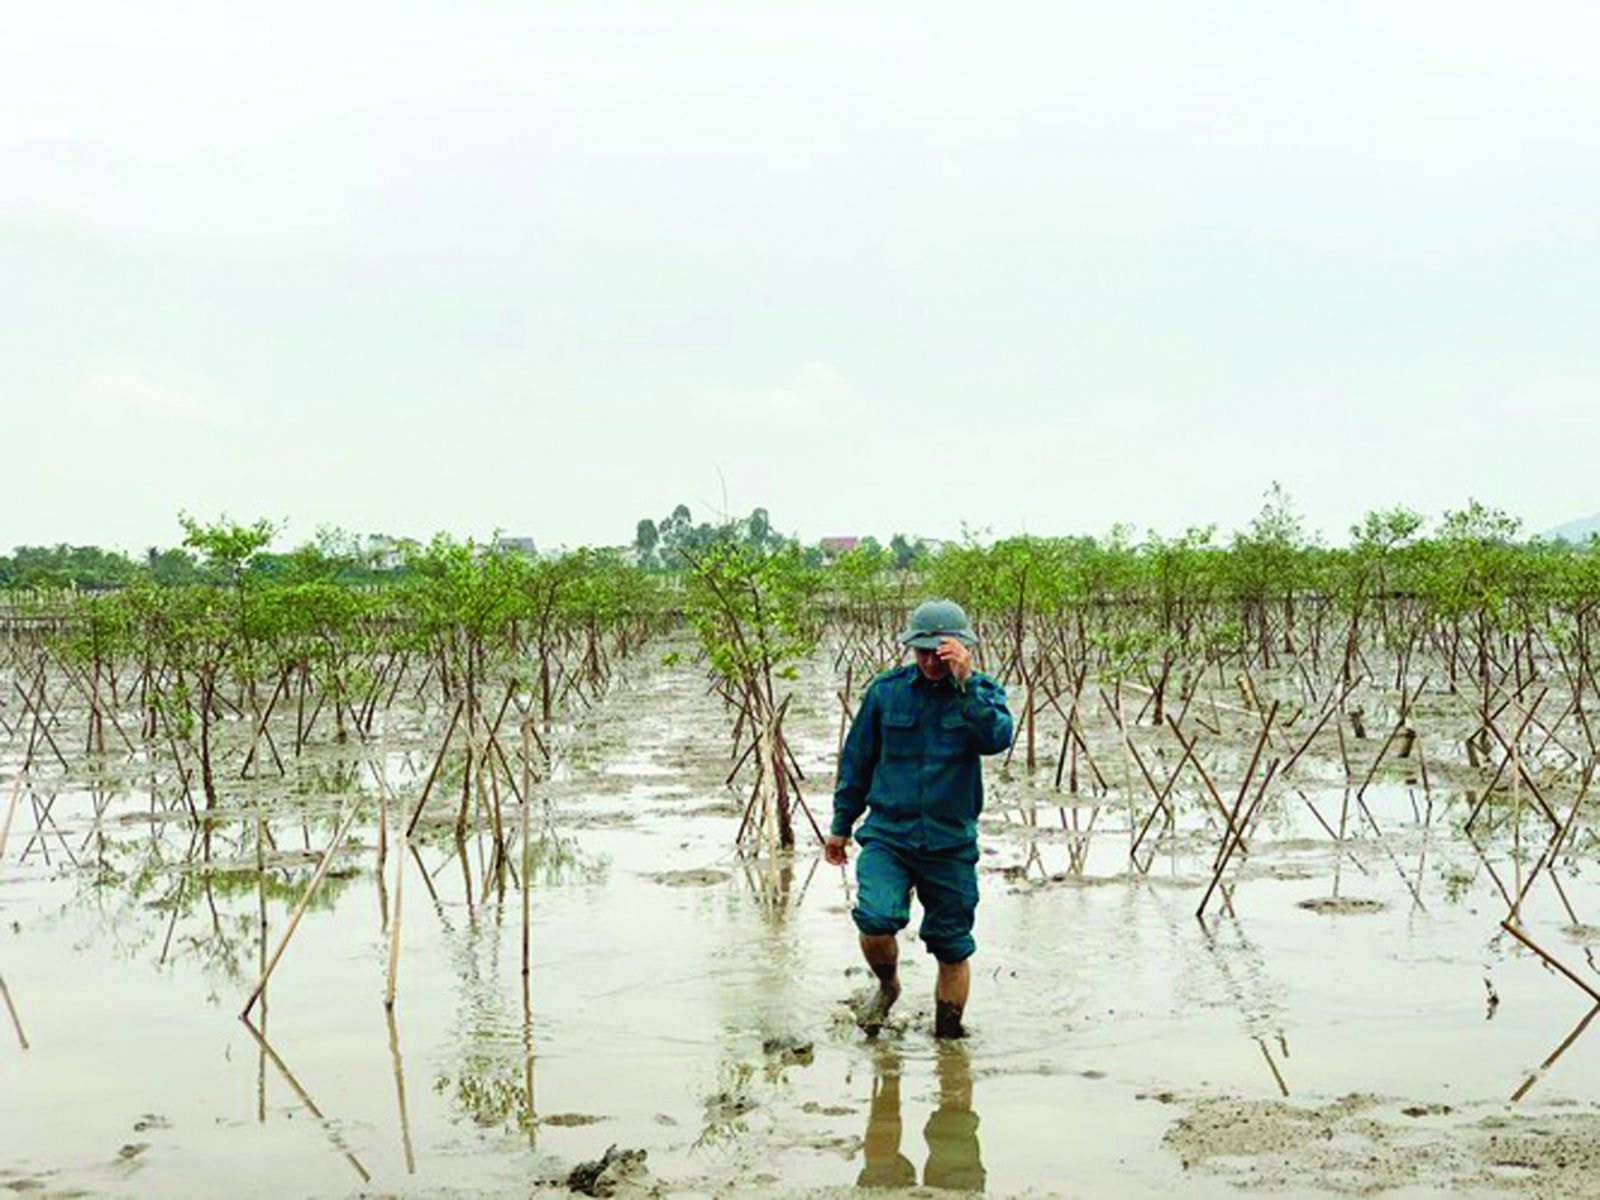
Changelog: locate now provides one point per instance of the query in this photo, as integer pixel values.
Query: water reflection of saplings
(11, 1008)
(1255, 998)
(490, 1091)
(145, 878)
(1555, 1055)
(398, 1064)
(319, 779)
(491, 1083)
(328, 1127)
(555, 859)
(770, 879)
(955, 1157)
(43, 817)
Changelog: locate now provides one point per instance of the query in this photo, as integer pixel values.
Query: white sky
(550, 267)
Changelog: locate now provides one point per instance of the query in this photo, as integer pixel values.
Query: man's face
(931, 665)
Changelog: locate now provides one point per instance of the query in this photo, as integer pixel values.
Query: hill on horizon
(1578, 531)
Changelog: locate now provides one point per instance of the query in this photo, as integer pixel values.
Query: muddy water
(1357, 1009)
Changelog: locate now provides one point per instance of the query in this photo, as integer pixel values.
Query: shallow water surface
(688, 1002)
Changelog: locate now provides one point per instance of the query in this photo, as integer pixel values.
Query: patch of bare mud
(694, 877)
(719, 808)
(570, 1120)
(1341, 906)
(1289, 872)
(599, 820)
(41, 1186)
(1355, 1146)
(1022, 881)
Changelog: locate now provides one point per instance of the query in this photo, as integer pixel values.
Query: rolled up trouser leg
(947, 886)
(883, 890)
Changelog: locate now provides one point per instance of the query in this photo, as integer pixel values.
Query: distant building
(833, 547)
(384, 553)
(517, 545)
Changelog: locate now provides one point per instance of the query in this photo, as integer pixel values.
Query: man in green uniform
(911, 762)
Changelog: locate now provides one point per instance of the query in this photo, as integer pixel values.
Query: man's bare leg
(950, 999)
(882, 953)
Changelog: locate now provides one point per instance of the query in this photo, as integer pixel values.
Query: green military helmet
(934, 621)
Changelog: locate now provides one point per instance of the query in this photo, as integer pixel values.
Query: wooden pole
(399, 902)
(527, 853)
(300, 908)
(11, 808)
(1550, 960)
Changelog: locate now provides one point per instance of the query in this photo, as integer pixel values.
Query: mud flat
(1351, 1020)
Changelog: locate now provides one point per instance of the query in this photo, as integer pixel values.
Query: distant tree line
(1274, 547)
(333, 556)
(665, 544)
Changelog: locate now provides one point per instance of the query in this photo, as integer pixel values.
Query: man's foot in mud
(947, 1020)
(875, 1008)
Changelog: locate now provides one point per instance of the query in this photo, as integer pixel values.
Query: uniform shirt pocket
(900, 733)
(952, 736)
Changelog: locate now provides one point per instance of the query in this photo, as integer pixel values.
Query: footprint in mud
(789, 1051)
(851, 1017)
(129, 1156)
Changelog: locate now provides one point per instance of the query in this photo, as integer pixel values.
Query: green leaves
(753, 609)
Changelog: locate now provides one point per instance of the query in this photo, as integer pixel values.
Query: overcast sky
(550, 267)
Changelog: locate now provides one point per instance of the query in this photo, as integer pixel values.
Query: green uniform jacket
(911, 759)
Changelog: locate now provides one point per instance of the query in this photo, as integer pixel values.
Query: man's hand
(958, 658)
(833, 849)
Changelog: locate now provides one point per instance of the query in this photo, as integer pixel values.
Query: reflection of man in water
(911, 763)
(955, 1160)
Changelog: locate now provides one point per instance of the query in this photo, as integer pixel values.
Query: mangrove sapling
(754, 613)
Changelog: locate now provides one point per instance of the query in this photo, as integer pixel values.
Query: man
(911, 762)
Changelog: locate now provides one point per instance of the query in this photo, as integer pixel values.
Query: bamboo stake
(1553, 849)
(438, 762)
(1550, 960)
(11, 808)
(527, 852)
(300, 908)
(1229, 845)
(394, 925)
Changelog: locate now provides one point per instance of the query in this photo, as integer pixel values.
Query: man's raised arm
(987, 715)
